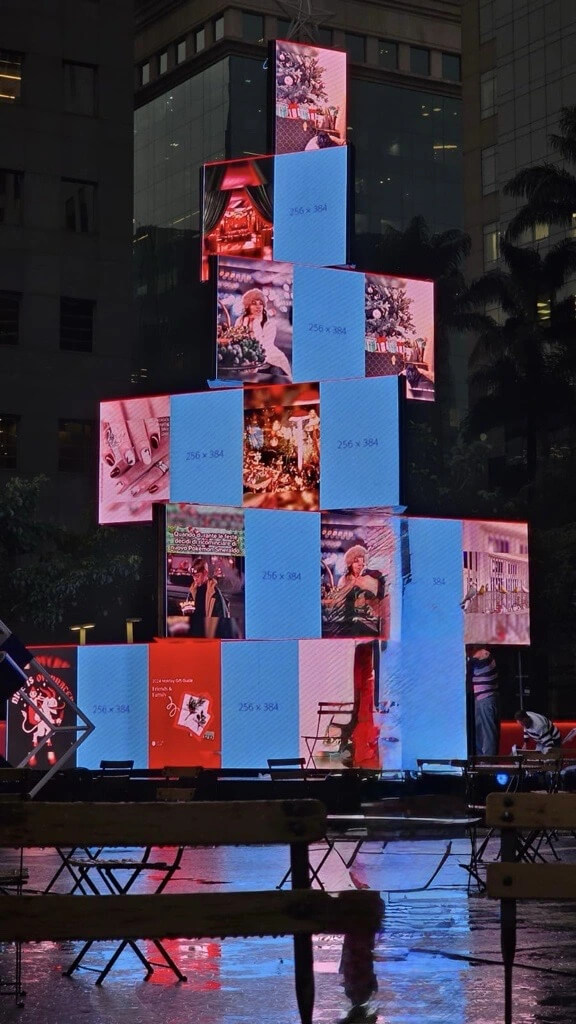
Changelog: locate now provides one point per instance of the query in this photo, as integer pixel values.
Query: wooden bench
(518, 814)
(301, 912)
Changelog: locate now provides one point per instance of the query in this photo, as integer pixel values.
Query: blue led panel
(328, 324)
(206, 447)
(360, 460)
(282, 574)
(113, 693)
(433, 691)
(259, 702)
(310, 207)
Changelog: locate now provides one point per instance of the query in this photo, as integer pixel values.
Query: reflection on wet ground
(437, 957)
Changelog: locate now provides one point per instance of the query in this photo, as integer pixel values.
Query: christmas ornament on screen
(388, 310)
(299, 77)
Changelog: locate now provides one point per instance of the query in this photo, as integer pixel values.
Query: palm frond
(541, 213)
(496, 288)
(529, 180)
(559, 263)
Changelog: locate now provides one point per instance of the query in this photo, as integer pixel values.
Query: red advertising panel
(184, 703)
(495, 583)
(399, 330)
(134, 458)
(254, 320)
(237, 211)
(310, 97)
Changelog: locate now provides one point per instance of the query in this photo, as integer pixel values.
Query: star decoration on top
(305, 18)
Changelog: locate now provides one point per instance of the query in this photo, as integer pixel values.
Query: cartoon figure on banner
(46, 700)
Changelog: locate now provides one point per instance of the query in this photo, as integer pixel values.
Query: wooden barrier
(522, 817)
(300, 912)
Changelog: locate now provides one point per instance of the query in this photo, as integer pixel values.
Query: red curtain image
(237, 210)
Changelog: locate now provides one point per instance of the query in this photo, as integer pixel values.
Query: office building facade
(201, 95)
(66, 316)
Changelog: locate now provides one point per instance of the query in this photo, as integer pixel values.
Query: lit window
(145, 73)
(11, 197)
(79, 205)
(355, 47)
(419, 61)
(8, 441)
(491, 243)
(10, 75)
(488, 94)
(219, 29)
(76, 324)
(75, 445)
(252, 27)
(181, 51)
(541, 231)
(200, 40)
(543, 309)
(387, 54)
(488, 170)
(79, 88)
(451, 67)
(163, 62)
(9, 317)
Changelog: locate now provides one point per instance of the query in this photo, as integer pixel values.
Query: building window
(76, 324)
(163, 62)
(451, 67)
(181, 51)
(283, 27)
(324, 36)
(488, 170)
(387, 54)
(74, 445)
(355, 47)
(419, 61)
(8, 441)
(10, 196)
(218, 29)
(252, 27)
(10, 76)
(491, 243)
(9, 317)
(488, 94)
(79, 205)
(79, 88)
(540, 232)
(145, 73)
(200, 40)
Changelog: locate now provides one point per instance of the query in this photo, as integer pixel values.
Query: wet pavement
(437, 956)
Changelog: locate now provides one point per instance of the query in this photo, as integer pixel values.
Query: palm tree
(523, 369)
(549, 190)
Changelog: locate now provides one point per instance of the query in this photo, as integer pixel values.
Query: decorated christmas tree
(388, 308)
(299, 77)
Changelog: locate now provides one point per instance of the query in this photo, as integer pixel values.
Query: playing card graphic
(194, 713)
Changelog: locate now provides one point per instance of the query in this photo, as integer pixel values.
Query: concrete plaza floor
(437, 956)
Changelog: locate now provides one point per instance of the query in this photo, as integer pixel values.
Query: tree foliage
(48, 571)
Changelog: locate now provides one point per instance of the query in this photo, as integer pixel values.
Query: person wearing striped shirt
(483, 676)
(539, 729)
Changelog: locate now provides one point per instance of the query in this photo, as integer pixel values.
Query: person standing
(484, 682)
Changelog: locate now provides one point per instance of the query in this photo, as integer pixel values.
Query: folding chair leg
(169, 961)
(116, 954)
(76, 963)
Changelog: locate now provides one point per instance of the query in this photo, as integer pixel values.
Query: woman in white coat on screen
(263, 328)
